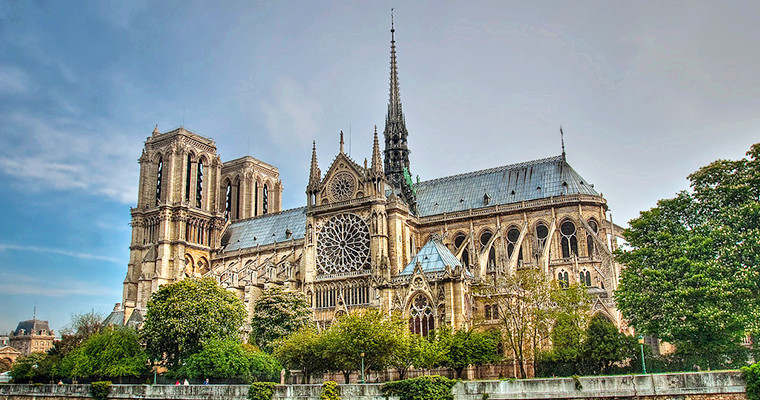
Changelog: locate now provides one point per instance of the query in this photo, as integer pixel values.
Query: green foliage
(751, 375)
(367, 332)
(418, 351)
(99, 390)
(304, 350)
(278, 313)
(330, 391)
(35, 367)
(692, 277)
(229, 359)
(80, 328)
(111, 353)
(261, 391)
(604, 346)
(422, 388)
(468, 347)
(184, 315)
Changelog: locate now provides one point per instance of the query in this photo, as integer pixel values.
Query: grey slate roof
(504, 185)
(32, 326)
(507, 184)
(433, 257)
(265, 229)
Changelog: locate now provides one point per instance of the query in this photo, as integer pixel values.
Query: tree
(111, 353)
(692, 276)
(366, 331)
(230, 359)
(5, 365)
(80, 328)
(604, 345)
(182, 316)
(304, 350)
(466, 347)
(525, 311)
(31, 368)
(278, 313)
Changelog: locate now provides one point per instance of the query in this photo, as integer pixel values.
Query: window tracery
(421, 320)
(265, 200)
(484, 239)
(563, 278)
(542, 232)
(159, 177)
(569, 240)
(199, 185)
(513, 235)
(590, 245)
(342, 186)
(343, 245)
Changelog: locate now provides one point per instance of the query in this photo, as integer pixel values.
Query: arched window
(199, 185)
(484, 239)
(421, 320)
(458, 243)
(590, 245)
(228, 201)
(585, 278)
(569, 241)
(188, 176)
(265, 200)
(513, 235)
(542, 232)
(563, 278)
(159, 178)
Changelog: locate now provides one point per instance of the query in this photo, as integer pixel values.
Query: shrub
(422, 388)
(99, 390)
(329, 391)
(752, 377)
(261, 391)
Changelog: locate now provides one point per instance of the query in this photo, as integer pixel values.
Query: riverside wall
(721, 385)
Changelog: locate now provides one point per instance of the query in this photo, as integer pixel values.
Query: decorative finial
(341, 141)
(155, 130)
(562, 139)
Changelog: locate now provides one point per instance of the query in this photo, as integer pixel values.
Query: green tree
(111, 353)
(80, 328)
(304, 350)
(31, 368)
(367, 332)
(278, 313)
(184, 315)
(692, 276)
(230, 359)
(604, 345)
(466, 347)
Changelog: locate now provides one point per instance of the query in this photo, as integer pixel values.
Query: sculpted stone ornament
(342, 186)
(343, 245)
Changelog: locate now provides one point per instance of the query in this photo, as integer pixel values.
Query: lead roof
(514, 183)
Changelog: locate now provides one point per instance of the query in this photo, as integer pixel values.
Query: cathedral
(369, 236)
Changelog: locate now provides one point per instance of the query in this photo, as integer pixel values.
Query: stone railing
(721, 385)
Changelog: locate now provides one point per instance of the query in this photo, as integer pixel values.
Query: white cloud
(291, 114)
(75, 254)
(62, 286)
(14, 81)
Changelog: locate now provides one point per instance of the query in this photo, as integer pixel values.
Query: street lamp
(643, 361)
(362, 354)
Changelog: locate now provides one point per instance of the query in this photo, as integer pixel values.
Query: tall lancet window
(228, 201)
(199, 186)
(159, 178)
(421, 321)
(569, 241)
(237, 200)
(188, 176)
(265, 200)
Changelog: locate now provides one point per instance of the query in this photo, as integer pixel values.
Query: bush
(261, 391)
(99, 390)
(752, 377)
(422, 388)
(329, 391)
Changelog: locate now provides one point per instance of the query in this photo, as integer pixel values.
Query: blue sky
(646, 93)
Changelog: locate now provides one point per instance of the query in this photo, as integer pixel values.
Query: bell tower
(177, 222)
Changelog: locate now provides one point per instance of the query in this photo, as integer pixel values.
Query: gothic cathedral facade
(369, 236)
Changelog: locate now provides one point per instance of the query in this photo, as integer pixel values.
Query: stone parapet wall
(723, 385)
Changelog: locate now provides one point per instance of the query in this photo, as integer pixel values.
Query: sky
(645, 92)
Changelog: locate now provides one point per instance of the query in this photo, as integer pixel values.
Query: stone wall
(724, 385)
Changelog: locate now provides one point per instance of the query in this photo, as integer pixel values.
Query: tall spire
(562, 139)
(396, 152)
(314, 173)
(341, 141)
(377, 161)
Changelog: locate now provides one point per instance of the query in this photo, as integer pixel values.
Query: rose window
(343, 245)
(342, 186)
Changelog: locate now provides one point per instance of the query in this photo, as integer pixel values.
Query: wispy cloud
(15, 284)
(291, 114)
(75, 254)
(14, 81)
